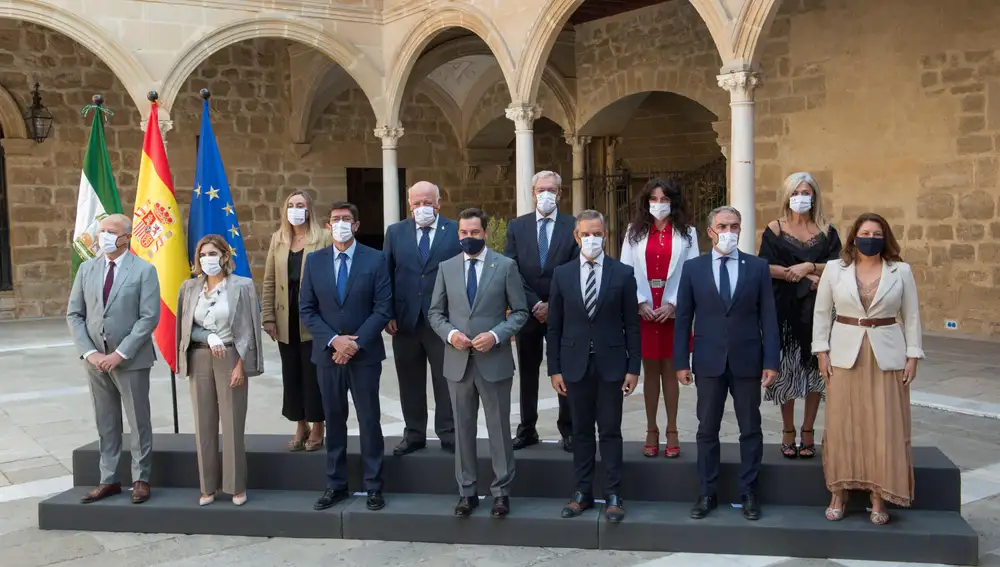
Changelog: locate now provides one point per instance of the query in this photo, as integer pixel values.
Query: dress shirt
(107, 266)
(212, 314)
(585, 272)
(430, 235)
(732, 266)
(479, 280)
(336, 268)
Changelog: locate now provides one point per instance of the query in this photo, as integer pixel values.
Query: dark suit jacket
(366, 310)
(522, 247)
(412, 280)
(614, 332)
(745, 336)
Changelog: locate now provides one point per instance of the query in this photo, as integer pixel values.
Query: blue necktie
(471, 285)
(724, 287)
(342, 277)
(424, 246)
(543, 241)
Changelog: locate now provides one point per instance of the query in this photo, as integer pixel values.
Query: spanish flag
(157, 233)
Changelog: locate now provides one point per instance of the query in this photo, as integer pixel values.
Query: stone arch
(10, 117)
(752, 23)
(130, 72)
(446, 15)
(356, 63)
(488, 101)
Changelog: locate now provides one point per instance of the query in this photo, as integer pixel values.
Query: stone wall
(668, 133)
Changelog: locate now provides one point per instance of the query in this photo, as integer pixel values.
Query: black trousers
(412, 351)
(362, 382)
(712, 394)
(596, 400)
(301, 399)
(530, 350)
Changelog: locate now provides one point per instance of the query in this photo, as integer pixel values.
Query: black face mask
(472, 246)
(870, 246)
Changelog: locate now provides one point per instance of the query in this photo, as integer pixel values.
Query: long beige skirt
(866, 444)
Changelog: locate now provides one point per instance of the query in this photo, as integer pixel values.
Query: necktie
(590, 291)
(342, 277)
(472, 285)
(724, 287)
(109, 281)
(424, 246)
(543, 241)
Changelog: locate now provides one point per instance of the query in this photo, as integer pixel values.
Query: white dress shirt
(479, 281)
(336, 268)
(430, 234)
(107, 266)
(585, 273)
(732, 266)
(212, 314)
(548, 229)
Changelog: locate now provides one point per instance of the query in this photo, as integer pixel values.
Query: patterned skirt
(795, 378)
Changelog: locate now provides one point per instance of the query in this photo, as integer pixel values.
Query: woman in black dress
(797, 247)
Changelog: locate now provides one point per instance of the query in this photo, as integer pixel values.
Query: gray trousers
(215, 401)
(465, 397)
(109, 393)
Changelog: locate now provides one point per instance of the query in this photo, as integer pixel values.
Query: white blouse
(212, 314)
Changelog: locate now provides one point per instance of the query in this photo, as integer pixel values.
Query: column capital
(740, 84)
(578, 142)
(165, 125)
(389, 135)
(523, 115)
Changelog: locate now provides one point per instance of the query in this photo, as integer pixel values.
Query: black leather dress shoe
(703, 506)
(466, 505)
(501, 506)
(406, 447)
(577, 505)
(448, 447)
(614, 509)
(525, 440)
(567, 444)
(375, 500)
(330, 498)
(751, 506)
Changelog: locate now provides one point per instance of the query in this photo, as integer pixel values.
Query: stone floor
(45, 413)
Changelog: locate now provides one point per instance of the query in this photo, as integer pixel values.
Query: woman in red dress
(659, 240)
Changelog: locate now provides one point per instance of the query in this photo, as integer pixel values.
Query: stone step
(543, 471)
(913, 535)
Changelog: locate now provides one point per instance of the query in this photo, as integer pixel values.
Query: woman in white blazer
(866, 333)
(658, 242)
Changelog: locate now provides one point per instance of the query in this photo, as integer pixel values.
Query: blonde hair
(792, 183)
(314, 230)
(225, 260)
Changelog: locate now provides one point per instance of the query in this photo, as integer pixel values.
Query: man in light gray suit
(472, 294)
(113, 309)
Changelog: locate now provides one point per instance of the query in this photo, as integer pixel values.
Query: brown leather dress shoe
(101, 492)
(140, 491)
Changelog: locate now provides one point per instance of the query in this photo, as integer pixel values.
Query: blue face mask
(472, 246)
(870, 246)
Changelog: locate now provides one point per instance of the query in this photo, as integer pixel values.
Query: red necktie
(108, 282)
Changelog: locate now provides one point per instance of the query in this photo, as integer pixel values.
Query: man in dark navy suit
(594, 349)
(727, 295)
(413, 249)
(345, 303)
(539, 242)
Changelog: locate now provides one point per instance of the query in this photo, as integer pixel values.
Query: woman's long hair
(642, 220)
(891, 250)
(314, 230)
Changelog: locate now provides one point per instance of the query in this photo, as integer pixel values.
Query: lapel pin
(493, 265)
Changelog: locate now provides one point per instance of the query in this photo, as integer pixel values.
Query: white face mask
(546, 202)
(591, 246)
(800, 203)
(342, 231)
(210, 265)
(659, 211)
(296, 216)
(727, 242)
(108, 242)
(424, 216)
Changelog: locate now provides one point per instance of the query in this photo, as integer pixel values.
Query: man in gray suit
(113, 309)
(472, 294)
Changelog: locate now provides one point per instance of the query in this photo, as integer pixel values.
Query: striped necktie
(590, 290)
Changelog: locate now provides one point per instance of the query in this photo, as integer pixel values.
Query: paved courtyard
(45, 413)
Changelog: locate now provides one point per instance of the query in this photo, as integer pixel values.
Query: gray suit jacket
(500, 287)
(126, 324)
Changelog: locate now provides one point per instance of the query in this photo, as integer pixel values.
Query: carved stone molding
(723, 133)
(165, 126)
(741, 85)
(301, 149)
(523, 115)
(578, 142)
(19, 146)
(503, 172)
(471, 171)
(389, 135)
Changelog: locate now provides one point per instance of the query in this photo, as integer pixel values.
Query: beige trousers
(214, 400)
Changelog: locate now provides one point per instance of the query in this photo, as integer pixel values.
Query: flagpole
(173, 394)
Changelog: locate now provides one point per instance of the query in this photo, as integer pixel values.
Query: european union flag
(212, 210)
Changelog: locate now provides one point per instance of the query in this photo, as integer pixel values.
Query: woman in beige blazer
(866, 333)
(300, 234)
(218, 348)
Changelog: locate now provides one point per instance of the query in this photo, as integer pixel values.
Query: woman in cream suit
(218, 348)
(866, 333)
(658, 242)
(300, 233)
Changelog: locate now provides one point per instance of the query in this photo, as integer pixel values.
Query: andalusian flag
(98, 196)
(157, 233)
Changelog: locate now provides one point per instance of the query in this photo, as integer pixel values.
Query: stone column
(741, 86)
(579, 144)
(389, 135)
(524, 116)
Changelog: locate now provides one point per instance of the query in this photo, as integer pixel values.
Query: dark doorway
(6, 268)
(364, 189)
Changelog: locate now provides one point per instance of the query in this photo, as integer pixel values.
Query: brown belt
(869, 323)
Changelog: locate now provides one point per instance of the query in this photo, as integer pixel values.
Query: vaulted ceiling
(592, 10)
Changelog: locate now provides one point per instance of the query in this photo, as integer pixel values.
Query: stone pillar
(524, 116)
(579, 144)
(741, 86)
(390, 135)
